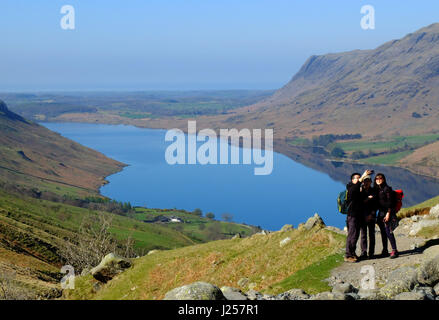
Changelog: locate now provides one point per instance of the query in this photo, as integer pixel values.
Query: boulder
(368, 294)
(233, 294)
(400, 280)
(410, 296)
(436, 289)
(428, 273)
(287, 227)
(284, 241)
(293, 294)
(237, 236)
(331, 296)
(418, 226)
(430, 253)
(434, 212)
(314, 222)
(343, 288)
(336, 230)
(428, 292)
(196, 291)
(110, 266)
(254, 295)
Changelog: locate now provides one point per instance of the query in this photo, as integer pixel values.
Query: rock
(196, 291)
(428, 292)
(330, 296)
(343, 288)
(434, 212)
(237, 236)
(352, 296)
(314, 222)
(252, 285)
(436, 289)
(415, 218)
(284, 241)
(268, 297)
(152, 252)
(368, 294)
(293, 294)
(254, 295)
(301, 227)
(233, 293)
(287, 227)
(401, 280)
(430, 252)
(428, 273)
(110, 266)
(410, 296)
(335, 229)
(418, 226)
(243, 282)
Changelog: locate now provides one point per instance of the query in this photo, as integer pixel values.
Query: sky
(186, 44)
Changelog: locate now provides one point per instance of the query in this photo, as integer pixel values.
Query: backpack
(342, 202)
(397, 195)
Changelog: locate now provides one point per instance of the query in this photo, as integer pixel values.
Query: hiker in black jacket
(385, 215)
(355, 212)
(368, 220)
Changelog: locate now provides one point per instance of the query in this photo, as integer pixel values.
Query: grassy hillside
(35, 156)
(259, 258)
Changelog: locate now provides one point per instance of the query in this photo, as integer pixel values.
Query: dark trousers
(386, 233)
(367, 228)
(353, 226)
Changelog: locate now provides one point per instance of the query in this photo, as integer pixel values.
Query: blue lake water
(289, 195)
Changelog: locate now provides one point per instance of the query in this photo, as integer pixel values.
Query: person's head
(355, 177)
(380, 180)
(367, 182)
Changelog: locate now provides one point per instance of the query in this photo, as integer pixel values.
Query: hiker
(368, 219)
(386, 215)
(354, 214)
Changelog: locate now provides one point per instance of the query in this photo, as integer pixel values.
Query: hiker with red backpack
(389, 203)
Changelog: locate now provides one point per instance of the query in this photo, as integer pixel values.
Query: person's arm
(387, 203)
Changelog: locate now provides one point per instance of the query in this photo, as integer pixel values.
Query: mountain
(386, 91)
(34, 156)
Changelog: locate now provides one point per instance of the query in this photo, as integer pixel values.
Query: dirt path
(409, 256)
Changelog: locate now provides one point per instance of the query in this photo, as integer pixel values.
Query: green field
(199, 229)
(387, 159)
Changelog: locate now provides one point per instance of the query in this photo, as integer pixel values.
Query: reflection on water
(416, 188)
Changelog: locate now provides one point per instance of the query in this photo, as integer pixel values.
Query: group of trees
(225, 216)
(326, 139)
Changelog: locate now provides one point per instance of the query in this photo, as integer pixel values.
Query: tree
(198, 212)
(337, 152)
(94, 241)
(210, 215)
(227, 217)
(358, 155)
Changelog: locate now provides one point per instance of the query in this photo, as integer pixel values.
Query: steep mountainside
(389, 90)
(33, 155)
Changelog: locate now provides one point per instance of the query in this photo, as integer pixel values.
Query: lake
(289, 195)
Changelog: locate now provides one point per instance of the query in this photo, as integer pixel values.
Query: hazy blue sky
(186, 44)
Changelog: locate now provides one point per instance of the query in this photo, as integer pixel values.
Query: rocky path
(410, 255)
